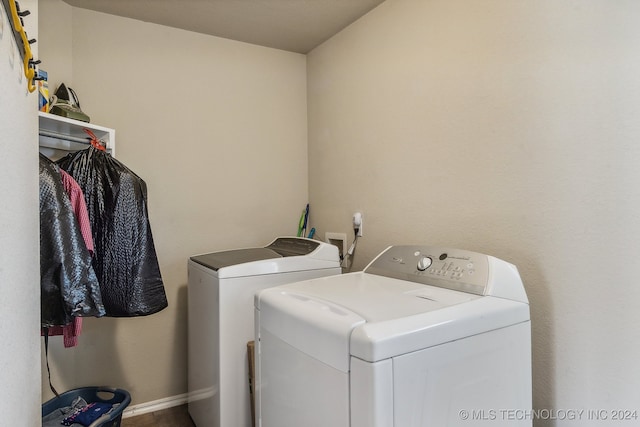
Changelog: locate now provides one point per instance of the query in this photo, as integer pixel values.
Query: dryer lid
(319, 316)
(374, 318)
(374, 341)
(313, 326)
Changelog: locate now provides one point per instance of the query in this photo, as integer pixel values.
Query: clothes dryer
(424, 336)
(220, 302)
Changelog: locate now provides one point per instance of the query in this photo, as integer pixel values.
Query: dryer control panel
(455, 269)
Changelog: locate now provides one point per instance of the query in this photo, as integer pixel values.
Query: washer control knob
(424, 263)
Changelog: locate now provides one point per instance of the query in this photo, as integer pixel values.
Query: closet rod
(56, 135)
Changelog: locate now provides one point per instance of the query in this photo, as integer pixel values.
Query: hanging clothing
(125, 259)
(69, 286)
(71, 332)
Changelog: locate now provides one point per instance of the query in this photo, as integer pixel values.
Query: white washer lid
(284, 254)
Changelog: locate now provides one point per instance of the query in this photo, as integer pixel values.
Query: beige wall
(217, 129)
(505, 127)
(55, 47)
(19, 231)
(499, 126)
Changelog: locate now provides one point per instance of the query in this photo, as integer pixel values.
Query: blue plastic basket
(91, 395)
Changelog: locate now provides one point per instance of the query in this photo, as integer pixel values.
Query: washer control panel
(449, 268)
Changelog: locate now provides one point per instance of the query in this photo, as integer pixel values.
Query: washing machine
(220, 301)
(423, 336)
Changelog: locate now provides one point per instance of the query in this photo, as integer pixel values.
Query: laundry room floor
(172, 417)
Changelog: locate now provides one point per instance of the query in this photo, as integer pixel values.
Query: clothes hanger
(94, 140)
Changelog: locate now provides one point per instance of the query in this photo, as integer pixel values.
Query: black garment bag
(125, 258)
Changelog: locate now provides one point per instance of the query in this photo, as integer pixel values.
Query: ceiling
(292, 25)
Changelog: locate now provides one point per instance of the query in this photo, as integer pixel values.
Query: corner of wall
(56, 42)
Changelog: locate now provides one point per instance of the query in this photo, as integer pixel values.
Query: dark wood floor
(172, 417)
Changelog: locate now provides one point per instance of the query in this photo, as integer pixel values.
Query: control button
(443, 257)
(424, 263)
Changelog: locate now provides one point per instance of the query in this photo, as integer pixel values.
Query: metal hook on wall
(23, 41)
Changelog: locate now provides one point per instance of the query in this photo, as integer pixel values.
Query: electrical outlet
(339, 240)
(358, 222)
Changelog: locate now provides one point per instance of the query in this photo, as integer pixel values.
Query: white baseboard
(155, 405)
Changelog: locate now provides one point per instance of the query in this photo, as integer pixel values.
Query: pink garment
(79, 208)
(71, 331)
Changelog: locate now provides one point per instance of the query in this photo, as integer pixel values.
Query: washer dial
(424, 262)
